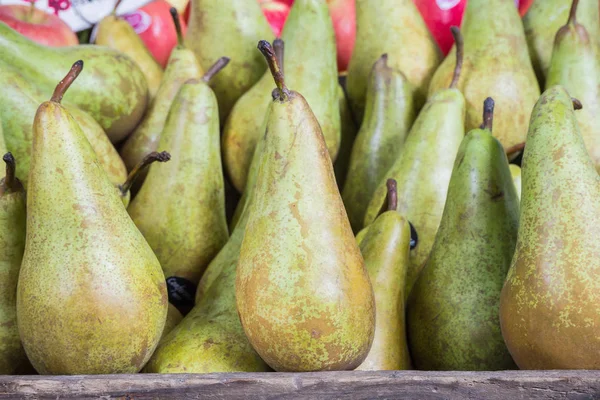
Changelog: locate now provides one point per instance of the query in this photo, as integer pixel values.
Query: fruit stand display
(300, 199)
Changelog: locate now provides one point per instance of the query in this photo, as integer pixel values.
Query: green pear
(515, 172)
(182, 66)
(496, 61)
(389, 114)
(549, 306)
(423, 170)
(299, 253)
(348, 131)
(124, 190)
(91, 296)
(174, 317)
(113, 90)
(12, 245)
(180, 209)
(544, 19)
(452, 312)
(18, 106)
(575, 66)
(386, 249)
(394, 27)
(229, 27)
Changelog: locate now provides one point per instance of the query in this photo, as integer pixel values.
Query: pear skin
(124, 189)
(299, 252)
(394, 27)
(496, 62)
(452, 313)
(87, 271)
(389, 114)
(174, 317)
(549, 303)
(349, 131)
(515, 172)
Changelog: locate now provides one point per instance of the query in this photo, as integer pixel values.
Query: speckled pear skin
(496, 63)
(423, 172)
(386, 249)
(299, 253)
(12, 244)
(87, 274)
(182, 66)
(230, 28)
(394, 27)
(515, 171)
(180, 209)
(18, 106)
(452, 313)
(112, 88)
(174, 317)
(549, 303)
(575, 66)
(389, 114)
(348, 130)
(544, 19)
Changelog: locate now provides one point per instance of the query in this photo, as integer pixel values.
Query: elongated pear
(389, 114)
(496, 62)
(91, 296)
(394, 27)
(12, 244)
(232, 28)
(548, 307)
(544, 19)
(299, 251)
(113, 89)
(423, 170)
(181, 67)
(452, 313)
(180, 209)
(386, 249)
(576, 67)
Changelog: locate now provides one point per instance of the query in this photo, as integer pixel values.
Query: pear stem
(573, 13)
(515, 149)
(488, 114)
(114, 10)
(66, 82)
(392, 195)
(460, 51)
(576, 104)
(215, 68)
(30, 11)
(279, 47)
(175, 16)
(142, 165)
(10, 180)
(267, 51)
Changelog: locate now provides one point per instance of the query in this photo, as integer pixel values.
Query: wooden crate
(513, 385)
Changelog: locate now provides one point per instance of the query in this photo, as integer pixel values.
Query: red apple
(154, 25)
(440, 15)
(37, 25)
(343, 16)
(276, 14)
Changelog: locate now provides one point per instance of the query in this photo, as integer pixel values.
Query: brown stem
(10, 180)
(573, 13)
(515, 149)
(66, 82)
(142, 165)
(175, 16)
(488, 114)
(267, 51)
(460, 51)
(114, 10)
(576, 104)
(392, 195)
(215, 68)
(278, 46)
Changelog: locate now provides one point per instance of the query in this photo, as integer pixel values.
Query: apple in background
(38, 25)
(276, 13)
(154, 25)
(343, 16)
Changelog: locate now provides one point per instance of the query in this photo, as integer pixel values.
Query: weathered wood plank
(513, 385)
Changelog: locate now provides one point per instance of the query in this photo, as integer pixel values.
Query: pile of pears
(243, 211)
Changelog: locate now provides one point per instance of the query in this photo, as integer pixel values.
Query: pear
(180, 209)
(12, 243)
(116, 33)
(394, 27)
(424, 167)
(174, 317)
(113, 90)
(515, 172)
(181, 67)
(496, 61)
(549, 304)
(228, 27)
(389, 114)
(386, 249)
(348, 131)
(452, 312)
(124, 189)
(299, 250)
(544, 19)
(575, 66)
(87, 274)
